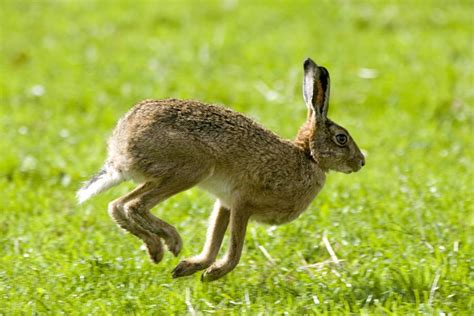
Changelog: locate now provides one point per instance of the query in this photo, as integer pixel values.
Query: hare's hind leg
(151, 193)
(153, 242)
(218, 223)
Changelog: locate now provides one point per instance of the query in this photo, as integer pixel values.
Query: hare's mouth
(348, 169)
(356, 169)
(345, 170)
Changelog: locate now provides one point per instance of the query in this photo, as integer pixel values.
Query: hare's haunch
(168, 146)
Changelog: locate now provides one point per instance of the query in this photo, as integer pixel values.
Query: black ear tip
(324, 71)
(308, 62)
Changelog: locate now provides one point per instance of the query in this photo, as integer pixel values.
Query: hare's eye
(341, 139)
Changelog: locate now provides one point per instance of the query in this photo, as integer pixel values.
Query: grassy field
(402, 83)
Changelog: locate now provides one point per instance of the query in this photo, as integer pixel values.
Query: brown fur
(169, 146)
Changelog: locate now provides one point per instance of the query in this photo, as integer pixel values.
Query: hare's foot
(216, 271)
(190, 266)
(173, 241)
(155, 250)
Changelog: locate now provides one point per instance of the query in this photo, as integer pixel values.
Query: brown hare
(168, 146)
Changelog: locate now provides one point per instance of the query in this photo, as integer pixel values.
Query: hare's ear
(316, 88)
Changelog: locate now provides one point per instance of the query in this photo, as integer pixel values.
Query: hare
(171, 145)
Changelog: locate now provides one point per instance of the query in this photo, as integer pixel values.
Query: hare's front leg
(238, 225)
(218, 223)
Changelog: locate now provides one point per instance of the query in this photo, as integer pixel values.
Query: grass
(401, 83)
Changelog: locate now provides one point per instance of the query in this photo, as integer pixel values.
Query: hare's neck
(303, 137)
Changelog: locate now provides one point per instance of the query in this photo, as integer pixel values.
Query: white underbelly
(219, 187)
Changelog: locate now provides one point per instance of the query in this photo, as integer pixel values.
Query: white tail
(103, 180)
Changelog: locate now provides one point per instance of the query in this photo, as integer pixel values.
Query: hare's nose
(362, 161)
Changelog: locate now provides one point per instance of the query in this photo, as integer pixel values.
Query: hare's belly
(219, 187)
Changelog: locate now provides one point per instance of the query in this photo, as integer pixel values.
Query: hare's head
(330, 144)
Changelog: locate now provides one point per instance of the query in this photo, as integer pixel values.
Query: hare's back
(172, 131)
(214, 126)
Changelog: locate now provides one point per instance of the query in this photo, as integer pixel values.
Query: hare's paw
(216, 271)
(155, 250)
(174, 243)
(188, 267)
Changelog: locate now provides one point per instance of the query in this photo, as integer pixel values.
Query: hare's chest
(277, 216)
(281, 212)
(285, 207)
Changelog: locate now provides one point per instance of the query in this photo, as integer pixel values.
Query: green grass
(402, 227)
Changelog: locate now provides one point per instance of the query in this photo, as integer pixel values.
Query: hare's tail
(106, 178)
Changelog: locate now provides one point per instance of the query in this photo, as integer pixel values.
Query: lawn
(402, 84)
